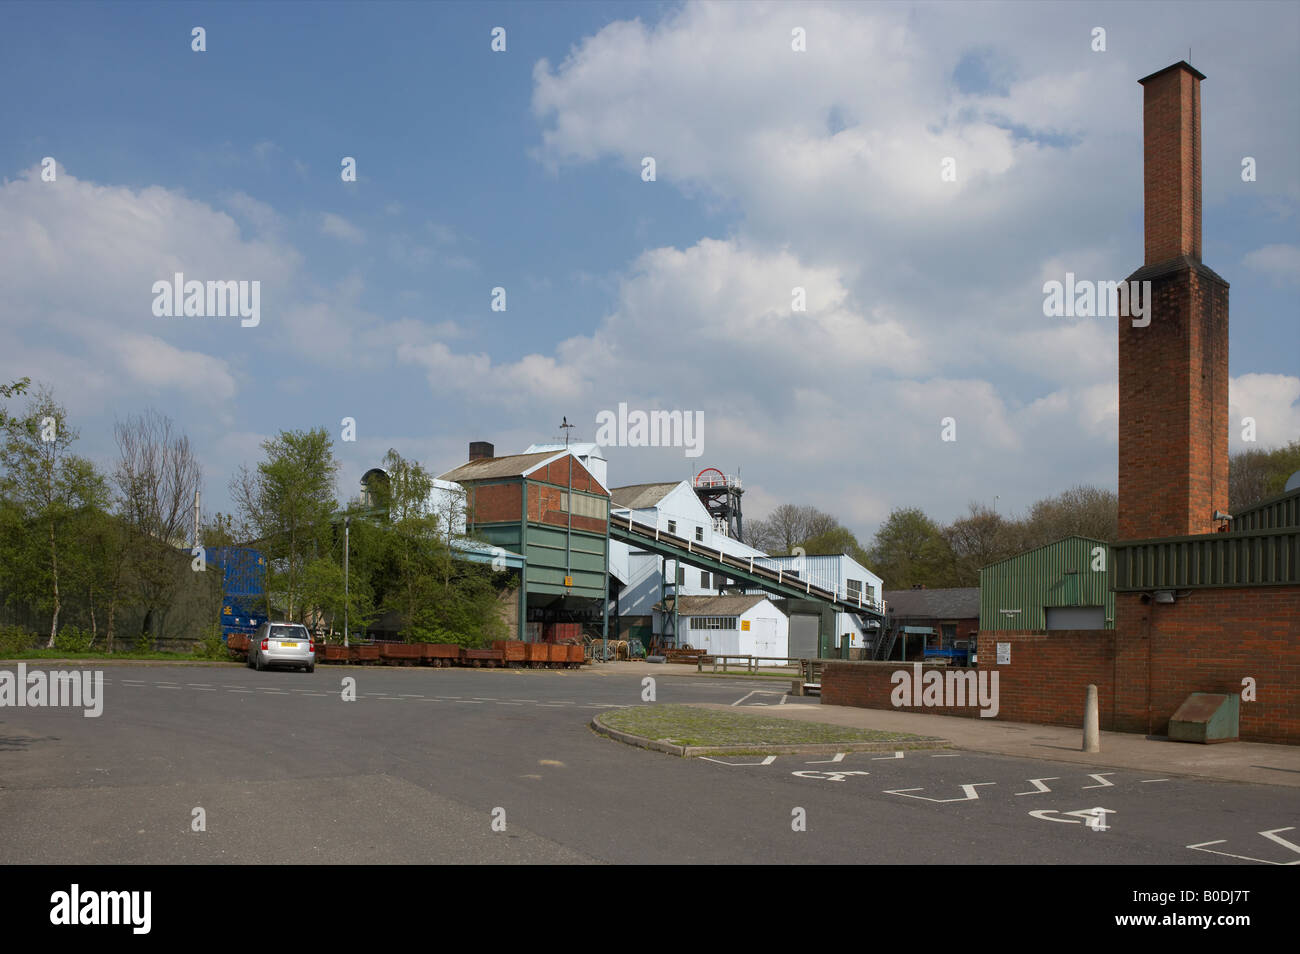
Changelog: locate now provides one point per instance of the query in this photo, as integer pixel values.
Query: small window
(704, 579)
(699, 534)
(681, 575)
(672, 526)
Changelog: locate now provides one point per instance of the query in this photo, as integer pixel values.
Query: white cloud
(335, 226)
(1281, 263)
(1273, 400)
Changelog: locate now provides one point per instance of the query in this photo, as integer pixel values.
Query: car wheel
(311, 668)
(257, 663)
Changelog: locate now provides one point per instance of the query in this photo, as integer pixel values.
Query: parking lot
(421, 763)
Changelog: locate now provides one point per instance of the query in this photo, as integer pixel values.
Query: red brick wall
(494, 503)
(544, 504)
(557, 473)
(1207, 641)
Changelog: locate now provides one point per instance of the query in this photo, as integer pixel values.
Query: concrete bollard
(1091, 732)
(796, 688)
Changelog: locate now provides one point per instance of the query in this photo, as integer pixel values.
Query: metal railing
(752, 663)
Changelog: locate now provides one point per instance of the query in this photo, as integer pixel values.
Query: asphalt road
(419, 766)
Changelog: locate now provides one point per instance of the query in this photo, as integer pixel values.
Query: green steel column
(604, 625)
(523, 570)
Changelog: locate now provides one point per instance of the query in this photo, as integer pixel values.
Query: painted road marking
(1105, 783)
(1092, 817)
(767, 761)
(1271, 835)
(839, 757)
(168, 687)
(970, 796)
(952, 755)
(1039, 787)
(896, 755)
(1145, 780)
(826, 776)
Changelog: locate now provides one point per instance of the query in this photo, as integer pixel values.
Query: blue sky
(521, 169)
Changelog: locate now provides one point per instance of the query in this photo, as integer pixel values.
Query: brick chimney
(481, 450)
(1173, 372)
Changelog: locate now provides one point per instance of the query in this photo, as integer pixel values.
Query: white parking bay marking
(1105, 783)
(767, 761)
(970, 796)
(878, 758)
(1039, 787)
(839, 757)
(1271, 835)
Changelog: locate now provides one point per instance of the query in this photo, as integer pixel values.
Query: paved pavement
(424, 762)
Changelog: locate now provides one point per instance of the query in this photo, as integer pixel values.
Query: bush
(72, 639)
(210, 645)
(14, 640)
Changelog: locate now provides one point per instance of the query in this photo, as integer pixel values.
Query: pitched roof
(641, 496)
(956, 603)
(717, 605)
(515, 465)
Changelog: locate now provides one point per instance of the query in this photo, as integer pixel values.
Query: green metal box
(1207, 717)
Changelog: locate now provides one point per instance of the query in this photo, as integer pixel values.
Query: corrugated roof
(962, 602)
(716, 605)
(514, 465)
(641, 496)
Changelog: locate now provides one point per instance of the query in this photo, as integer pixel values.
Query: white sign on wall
(1004, 654)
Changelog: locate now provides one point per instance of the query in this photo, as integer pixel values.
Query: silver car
(282, 644)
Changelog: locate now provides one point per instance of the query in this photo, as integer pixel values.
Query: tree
(788, 526)
(835, 541)
(157, 476)
(1255, 475)
(1080, 511)
(287, 503)
(909, 549)
(976, 540)
(8, 391)
(48, 484)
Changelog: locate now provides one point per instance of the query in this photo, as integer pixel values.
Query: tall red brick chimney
(1173, 371)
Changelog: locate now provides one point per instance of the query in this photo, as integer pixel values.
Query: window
(672, 526)
(855, 589)
(699, 534)
(713, 622)
(704, 579)
(681, 575)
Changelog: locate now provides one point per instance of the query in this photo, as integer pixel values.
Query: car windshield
(288, 632)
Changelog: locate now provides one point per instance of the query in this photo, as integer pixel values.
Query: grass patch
(686, 725)
(120, 657)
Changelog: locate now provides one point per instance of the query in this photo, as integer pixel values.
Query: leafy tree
(835, 541)
(909, 549)
(286, 502)
(48, 484)
(10, 390)
(1255, 475)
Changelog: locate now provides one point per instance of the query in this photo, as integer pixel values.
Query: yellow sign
(568, 581)
(744, 625)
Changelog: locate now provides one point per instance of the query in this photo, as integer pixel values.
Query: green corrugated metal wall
(1040, 578)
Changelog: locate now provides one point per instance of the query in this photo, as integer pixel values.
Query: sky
(523, 169)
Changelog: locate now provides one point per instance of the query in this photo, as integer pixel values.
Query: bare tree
(788, 526)
(157, 476)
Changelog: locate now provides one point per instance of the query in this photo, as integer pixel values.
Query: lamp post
(346, 521)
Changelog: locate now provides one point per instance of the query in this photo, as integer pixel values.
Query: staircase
(889, 636)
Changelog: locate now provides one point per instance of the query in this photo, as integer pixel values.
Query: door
(1075, 617)
(803, 635)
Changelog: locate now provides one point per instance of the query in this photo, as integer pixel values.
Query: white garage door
(1076, 617)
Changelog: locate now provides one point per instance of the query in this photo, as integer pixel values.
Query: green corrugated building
(1063, 585)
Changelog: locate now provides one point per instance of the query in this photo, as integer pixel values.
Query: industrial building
(1063, 585)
